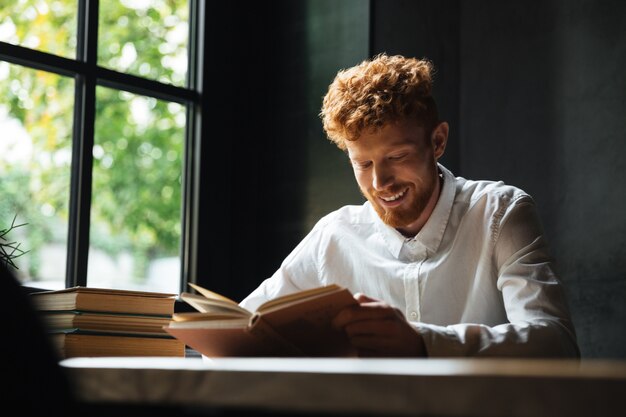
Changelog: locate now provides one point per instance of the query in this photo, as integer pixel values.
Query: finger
(360, 312)
(362, 298)
(380, 328)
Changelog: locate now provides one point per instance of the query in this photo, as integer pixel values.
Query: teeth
(394, 197)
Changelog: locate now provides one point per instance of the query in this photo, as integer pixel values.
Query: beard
(409, 211)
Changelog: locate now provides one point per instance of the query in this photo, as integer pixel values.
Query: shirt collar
(432, 233)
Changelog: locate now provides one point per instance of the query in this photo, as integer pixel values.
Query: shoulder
(340, 227)
(496, 204)
(346, 217)
(491, 193)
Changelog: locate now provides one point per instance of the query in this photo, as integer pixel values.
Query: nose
(382, 178)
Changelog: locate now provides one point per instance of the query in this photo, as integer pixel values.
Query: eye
(361, 164)
(397, 157)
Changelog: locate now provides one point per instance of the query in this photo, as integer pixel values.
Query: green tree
(138, 150)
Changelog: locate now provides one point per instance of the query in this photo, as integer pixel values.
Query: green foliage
(138, 152)
(9, 250)
(152, 33)
(137, 175)
(49, 26)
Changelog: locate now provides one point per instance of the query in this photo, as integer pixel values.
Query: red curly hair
(376, 92)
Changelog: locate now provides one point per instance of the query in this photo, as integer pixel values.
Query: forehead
(392, 136)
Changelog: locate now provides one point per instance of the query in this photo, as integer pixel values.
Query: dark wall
(536, 96)
(425, 29)
(336, 37)
(543, 105)
(268, 171)
(535, 93)
(236, 87)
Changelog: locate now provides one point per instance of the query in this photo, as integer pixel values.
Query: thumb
(362, 298)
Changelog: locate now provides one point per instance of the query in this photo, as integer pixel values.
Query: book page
(229, 322)
(307, 323)
(206, 305)
(210, 294)
(198, 316)
(296, 297)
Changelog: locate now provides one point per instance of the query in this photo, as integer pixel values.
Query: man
(442, 266)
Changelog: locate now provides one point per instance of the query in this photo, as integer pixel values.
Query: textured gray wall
(543, 106)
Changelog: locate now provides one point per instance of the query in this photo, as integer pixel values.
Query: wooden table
(387, 387)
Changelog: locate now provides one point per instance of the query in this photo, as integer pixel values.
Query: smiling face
(396, 169)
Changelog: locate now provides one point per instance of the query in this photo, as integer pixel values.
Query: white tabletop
(445, 387)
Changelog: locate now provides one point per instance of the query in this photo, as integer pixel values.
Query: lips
(393, 199)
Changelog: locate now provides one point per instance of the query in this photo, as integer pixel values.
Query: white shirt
(477, 280)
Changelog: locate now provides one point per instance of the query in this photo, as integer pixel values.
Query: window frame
(87, 76)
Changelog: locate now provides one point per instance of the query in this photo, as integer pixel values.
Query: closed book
(105, 300)
(113, 322)
(75, 343)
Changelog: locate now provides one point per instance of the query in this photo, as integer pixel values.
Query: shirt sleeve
(532, 294)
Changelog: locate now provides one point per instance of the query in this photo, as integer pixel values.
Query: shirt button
(413, 315)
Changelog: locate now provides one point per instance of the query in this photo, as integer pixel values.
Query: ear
(439, 139)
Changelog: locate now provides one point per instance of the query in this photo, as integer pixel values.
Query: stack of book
(84, 321)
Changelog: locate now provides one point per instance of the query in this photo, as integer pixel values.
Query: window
(99, 120)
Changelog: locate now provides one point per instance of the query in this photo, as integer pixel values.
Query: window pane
(136, 203)
(147, 38)
(48, 26)
(35, 158)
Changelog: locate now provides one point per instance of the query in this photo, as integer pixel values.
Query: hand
(377, 329)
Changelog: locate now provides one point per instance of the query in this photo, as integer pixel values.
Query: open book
(297, 324)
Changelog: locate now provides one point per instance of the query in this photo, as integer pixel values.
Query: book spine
(263, 330)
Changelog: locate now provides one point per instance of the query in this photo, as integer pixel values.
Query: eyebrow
(392, 148)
